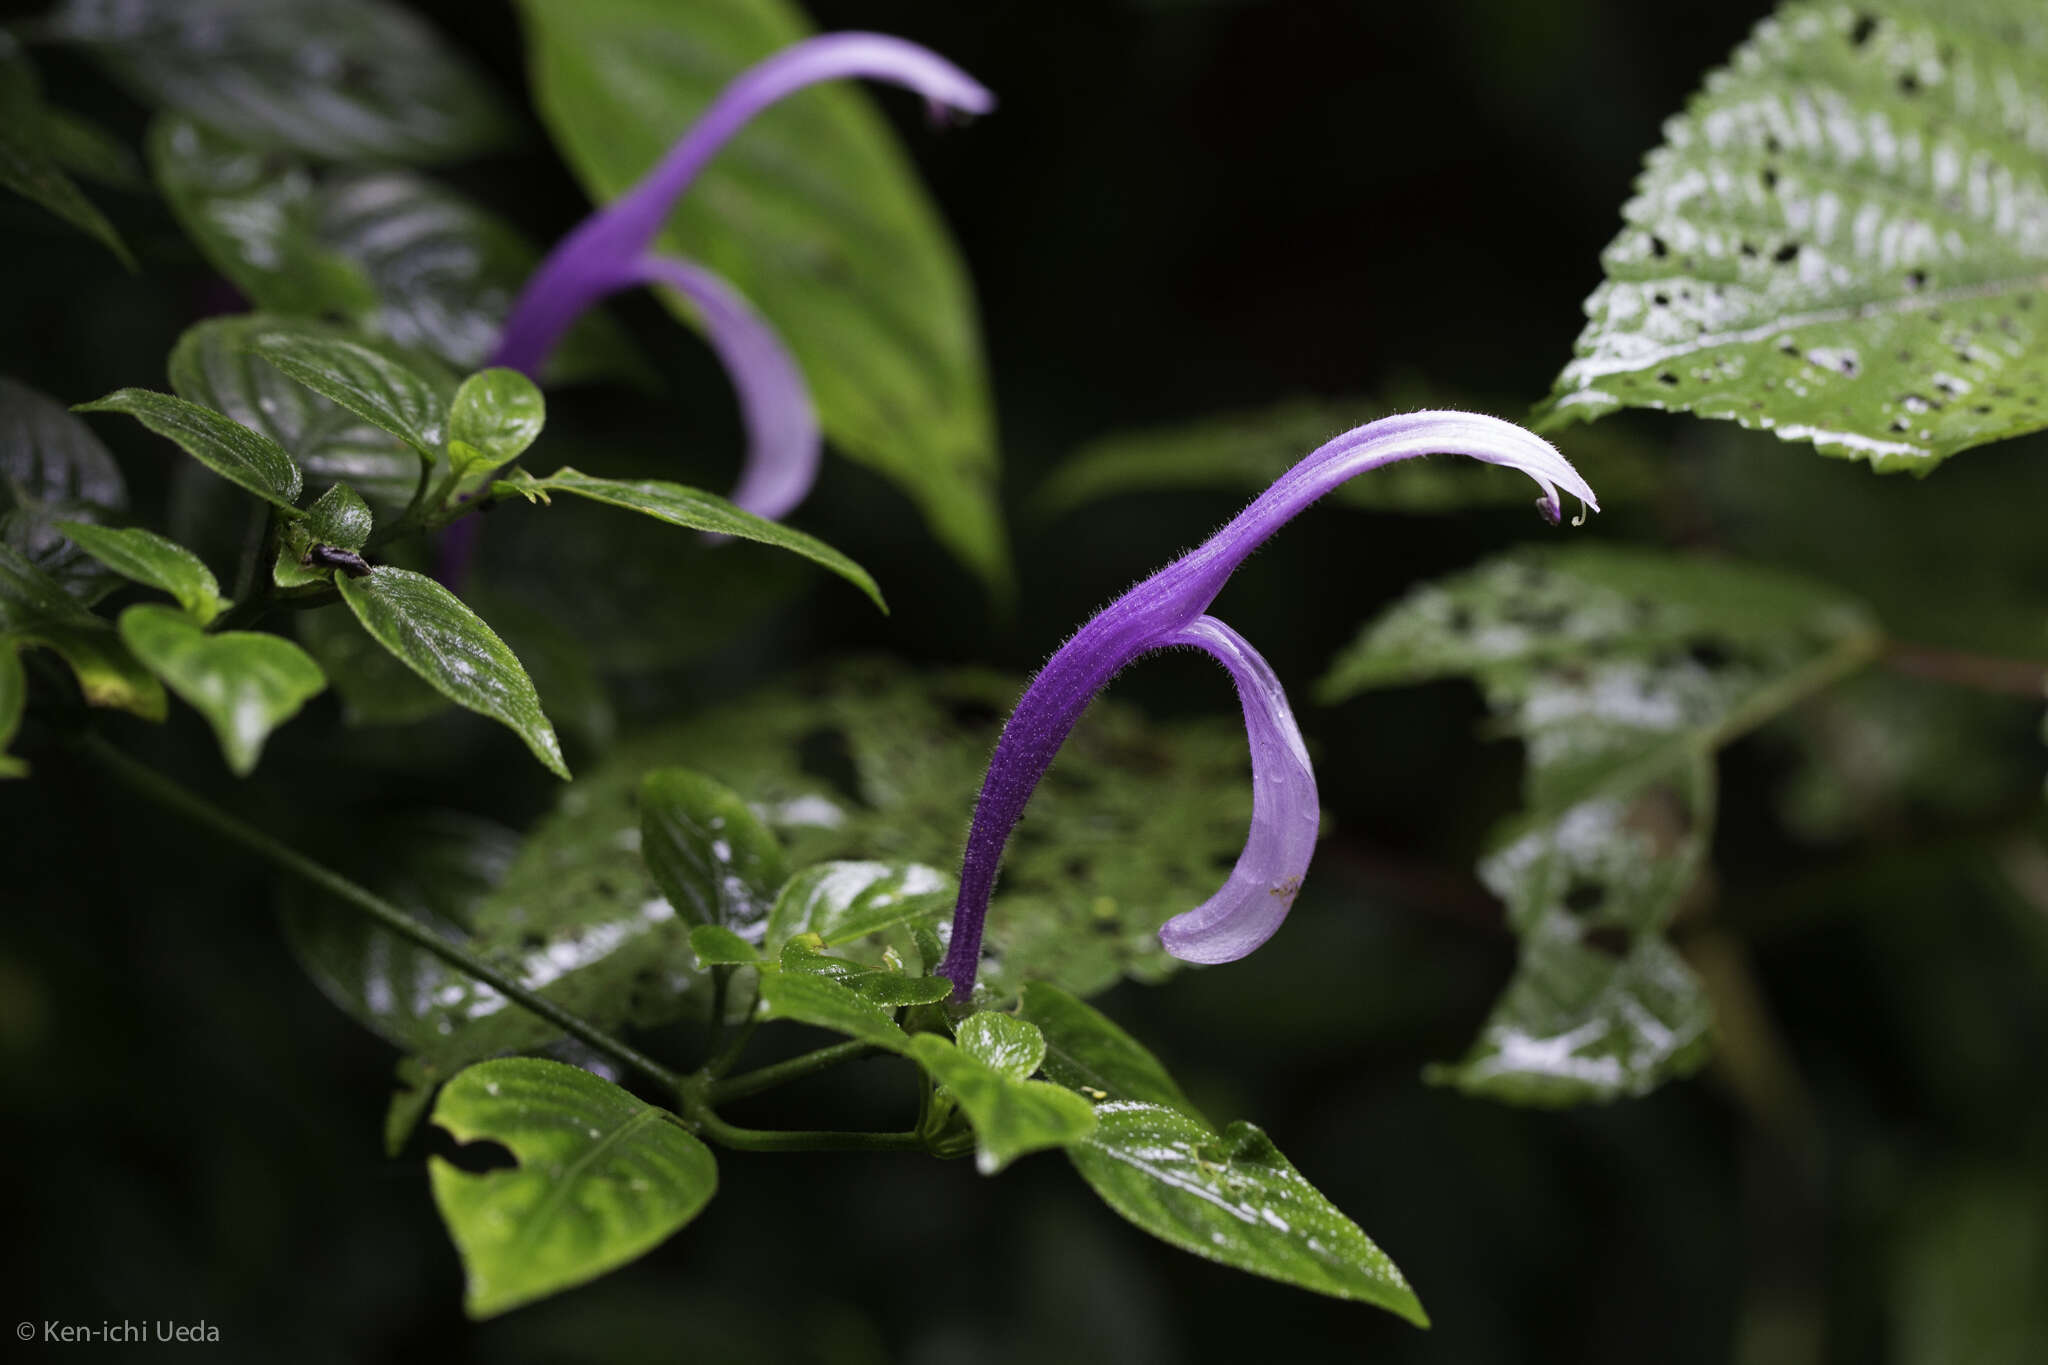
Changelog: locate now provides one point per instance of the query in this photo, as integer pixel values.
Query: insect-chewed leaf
(601, 1178)
(1844, 238)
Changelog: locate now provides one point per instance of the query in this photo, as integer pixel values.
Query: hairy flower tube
(610, 251)
(1167, 611)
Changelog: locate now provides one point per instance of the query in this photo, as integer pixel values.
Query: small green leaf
(342, 80)
(1011, 1116)
(252, 214)
(408, 402)
(229, 449)
(717, 946)
(496, 415)
(29, 153)
(35, 610)
(842, 902)
(147, 557)
(416, 1084)
(337, 519)
(245, 683)
(602, 1178)
(1236, 1200)
(824, 1003)
(428, 629)
(13, 702)
(1088, 1053)
(1839, 239)
(52, 468)
(691, 507)
(711, 856)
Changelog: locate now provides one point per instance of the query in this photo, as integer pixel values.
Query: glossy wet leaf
(430, 631)
(1842, 239)
(826, 1003)
(149, 558)
(878, 983)
(54, 468)
(409, 402)
(1012, 1117)
(814, 214)
(31, 153)
(495, 416)
(13, 702)
(1233, 1198)
(344, 80)
(244, 682)
(214, 365)
(35, 610)
(711, 856)
(1243, 452)
(252, 212)
(843, 902)
(1086, 1051)
(717, 946)
(875, 762)
(243, 457)
(601, 1178)
(679, 505)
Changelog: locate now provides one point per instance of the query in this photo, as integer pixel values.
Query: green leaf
(717, 946)
(252, 214)
(376, 687)
(409, 403)
(1839, 239)
(842, 902)
(884, 984)
(1244, 452)
(1236, 1200)
(35, 610)
(13, 702)
(149, 558)
(985, 1073)
(1085, 1051)
(53, 468)
(496, 415)
(814, 214)
(429, 630)
(343, 80)
(693, 508)
(85, 148)
(602, 1178)
(245, 683)
(212, 364)
(825, 1003)
(30, 146)
(241, 456)
(337, 519)
(711, 856)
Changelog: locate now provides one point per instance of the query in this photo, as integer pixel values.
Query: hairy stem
(149, 783)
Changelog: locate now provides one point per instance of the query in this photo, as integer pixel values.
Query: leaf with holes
(244, 682)
(243, 457)
(429, 630)
(53, 468)
(31, 160)
(212, 364)
(409, 401)
(148, 558)
(35, 610)
(599, 1178)
(815, 215)
(1234, 1199)
(1844, 239)
(711, 856)
(984, 1070)
(343, 80)
(679, 505)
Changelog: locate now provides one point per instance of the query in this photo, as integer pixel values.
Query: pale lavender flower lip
(609, 251)
(1166, 611)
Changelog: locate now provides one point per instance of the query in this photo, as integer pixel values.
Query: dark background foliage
(1182, 206)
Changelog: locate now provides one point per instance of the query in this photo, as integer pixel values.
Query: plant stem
(149, 783)
(1979, 672)
(697, 1114)
(782, 1073)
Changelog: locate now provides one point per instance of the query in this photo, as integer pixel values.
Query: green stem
(697, 1115)
(149, 783)
(782, 1073)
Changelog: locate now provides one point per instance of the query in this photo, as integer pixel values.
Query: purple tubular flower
(1167, 610)
(609, 251)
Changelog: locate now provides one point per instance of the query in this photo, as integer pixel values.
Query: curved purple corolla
(609, 251)
(1166, 611)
